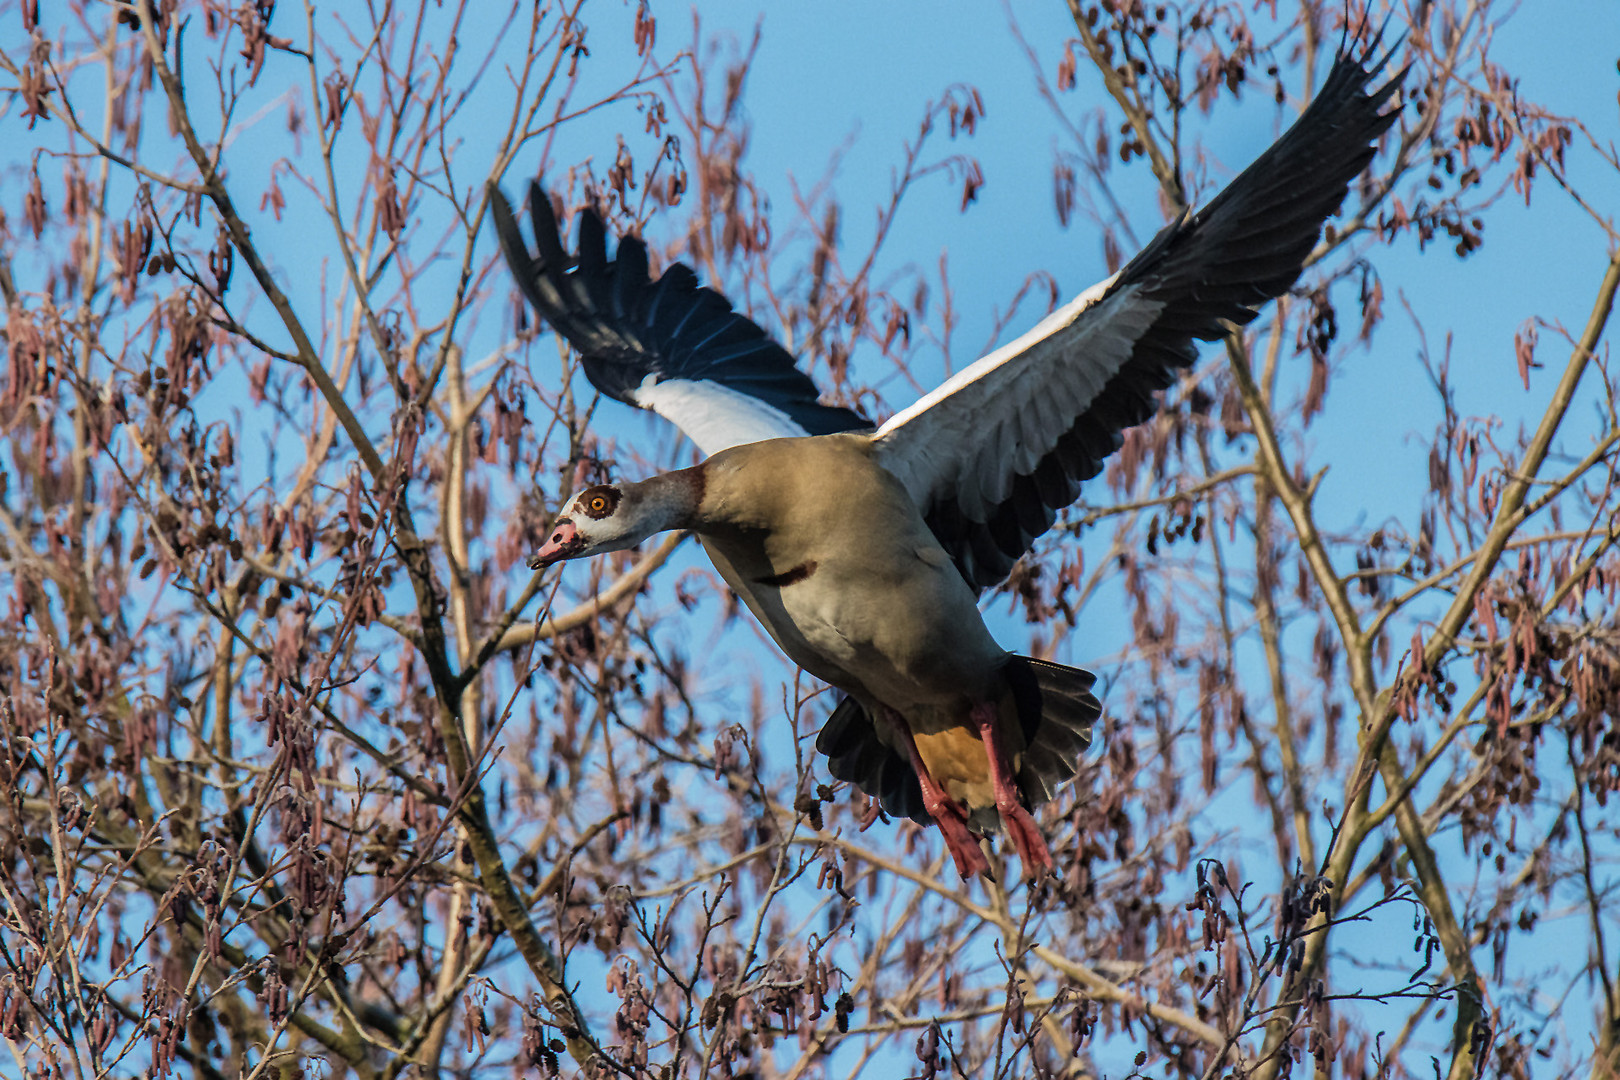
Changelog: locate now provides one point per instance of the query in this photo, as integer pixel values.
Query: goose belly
(892, 627)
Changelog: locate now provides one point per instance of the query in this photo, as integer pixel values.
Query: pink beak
(563, 542)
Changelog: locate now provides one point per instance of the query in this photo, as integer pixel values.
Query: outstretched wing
(992, 455)
(671, 345)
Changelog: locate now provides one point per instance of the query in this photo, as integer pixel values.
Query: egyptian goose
(863, 551)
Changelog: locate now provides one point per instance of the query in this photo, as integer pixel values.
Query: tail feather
(1057, 709)
(857, 756)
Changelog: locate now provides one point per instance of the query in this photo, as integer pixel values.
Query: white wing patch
(977, 370)
(714, 416)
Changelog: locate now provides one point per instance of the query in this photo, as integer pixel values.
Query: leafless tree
(301, 775)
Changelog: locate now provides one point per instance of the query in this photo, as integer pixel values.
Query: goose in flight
(862, 549)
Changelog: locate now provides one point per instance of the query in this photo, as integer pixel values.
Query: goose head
(616, 517)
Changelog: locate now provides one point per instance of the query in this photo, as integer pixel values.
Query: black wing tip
(1352, 83)
(1311, 165)
(507, 230)
(1366, 58)
(524, 262)
(628, 326)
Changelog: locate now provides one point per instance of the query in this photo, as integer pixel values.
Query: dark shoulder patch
(790, 577)
(695, 478)
(598, 502)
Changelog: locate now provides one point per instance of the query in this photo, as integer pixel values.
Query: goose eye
(598, 502)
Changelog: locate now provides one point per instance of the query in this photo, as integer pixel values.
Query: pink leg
(946, 811)
(1026, 835)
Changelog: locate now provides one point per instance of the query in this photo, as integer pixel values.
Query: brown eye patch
(598, 502)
